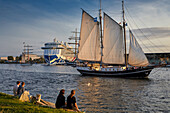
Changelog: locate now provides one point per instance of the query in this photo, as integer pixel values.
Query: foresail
(89, 48)
(136, 54)
(113, 51)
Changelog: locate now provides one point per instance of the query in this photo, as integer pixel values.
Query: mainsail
(136, 54)
(112, 42)
(89, 48)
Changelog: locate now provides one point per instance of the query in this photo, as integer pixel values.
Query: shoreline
(11, 104)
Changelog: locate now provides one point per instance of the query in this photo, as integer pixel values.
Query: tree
(10, 58)
(17, 59)
(30, 59)
(20, 57)
(42, 60)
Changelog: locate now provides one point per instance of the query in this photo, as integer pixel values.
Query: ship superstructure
(56, 52)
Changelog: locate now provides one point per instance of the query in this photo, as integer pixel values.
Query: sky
(36, 22)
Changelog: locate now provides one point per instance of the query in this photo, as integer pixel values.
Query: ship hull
(135, 73)
(54, 60)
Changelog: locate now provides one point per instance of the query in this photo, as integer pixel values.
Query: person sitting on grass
(21, 89)
(60, 102)
(23, 95)
(71, 101)
(15, 88)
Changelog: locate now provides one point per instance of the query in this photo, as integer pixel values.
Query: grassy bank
(11, 104)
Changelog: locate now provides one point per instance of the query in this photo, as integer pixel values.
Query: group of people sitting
(20, 92)
(19, 89)
(71, 101)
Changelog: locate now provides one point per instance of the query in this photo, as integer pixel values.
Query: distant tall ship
(25, 59)
(57, 53)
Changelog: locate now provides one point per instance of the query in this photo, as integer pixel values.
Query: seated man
(71, 101)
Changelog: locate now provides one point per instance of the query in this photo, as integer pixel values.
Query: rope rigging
(139, 38)
(151, 43)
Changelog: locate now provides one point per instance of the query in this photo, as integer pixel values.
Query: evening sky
(36, 22)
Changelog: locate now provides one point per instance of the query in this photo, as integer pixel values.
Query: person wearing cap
(60, 102)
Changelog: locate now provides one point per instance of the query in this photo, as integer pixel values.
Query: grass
(11, 104)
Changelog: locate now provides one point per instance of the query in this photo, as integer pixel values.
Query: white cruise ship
(56, 53)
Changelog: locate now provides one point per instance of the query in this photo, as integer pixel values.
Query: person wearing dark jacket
(21, 89)
(60, 102)
(15, 88)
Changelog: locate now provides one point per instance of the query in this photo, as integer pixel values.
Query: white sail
(136, 54)
(89, 48)
(113, 51)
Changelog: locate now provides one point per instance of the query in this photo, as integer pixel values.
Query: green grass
(11, 104)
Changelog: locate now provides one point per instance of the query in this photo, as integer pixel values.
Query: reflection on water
(112, 95)
(94, 94)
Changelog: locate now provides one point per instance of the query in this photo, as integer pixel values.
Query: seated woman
(60, 102)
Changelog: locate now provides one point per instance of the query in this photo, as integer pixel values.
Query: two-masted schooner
(106, 48)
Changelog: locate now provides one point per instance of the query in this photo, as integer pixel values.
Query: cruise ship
(57, 53)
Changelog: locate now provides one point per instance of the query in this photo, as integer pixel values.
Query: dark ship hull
(134, 73)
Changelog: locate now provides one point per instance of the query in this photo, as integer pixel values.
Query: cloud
(154, 13)
(23, 26)
(37, 22)
(153, 39)
(153, 33)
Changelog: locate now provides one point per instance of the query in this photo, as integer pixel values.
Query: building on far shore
(17, 59)
(157, 58)
(154, 58)
(32, 56)
(3, 58)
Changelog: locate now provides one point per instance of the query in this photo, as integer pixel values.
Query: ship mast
(27, 51)
(101, 36)
(76, 40)
(124, 29)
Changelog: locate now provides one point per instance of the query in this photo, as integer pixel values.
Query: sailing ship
(106, 48)
(25, 59)
(74, 41)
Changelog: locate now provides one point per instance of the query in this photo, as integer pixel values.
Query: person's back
(60, 102)
(15, 88)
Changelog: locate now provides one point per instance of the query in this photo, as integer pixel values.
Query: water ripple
(94, 94)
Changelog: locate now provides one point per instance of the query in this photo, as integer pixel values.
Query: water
(94, 94)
